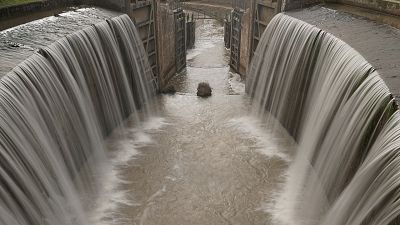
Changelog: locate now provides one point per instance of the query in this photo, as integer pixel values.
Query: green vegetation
(8, 3)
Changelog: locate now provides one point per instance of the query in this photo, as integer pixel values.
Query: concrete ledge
(386, 6)
(17, 44)
(16, 14)
(18, 9)
(377, 42)
(13, 3)
(367, 13)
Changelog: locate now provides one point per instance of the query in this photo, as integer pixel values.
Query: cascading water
(55, 110)
(344, 119)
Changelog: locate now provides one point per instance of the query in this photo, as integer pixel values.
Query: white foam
(123, 143)
(236, 83)
(272, 140)
(268, 140)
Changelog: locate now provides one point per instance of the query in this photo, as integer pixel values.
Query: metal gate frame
(236, 33)
(180, 39)
(190, 31)
(227, 32)
(263, 11)
(143, 15)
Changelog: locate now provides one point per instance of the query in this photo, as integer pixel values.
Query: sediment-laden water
(69, 157)
(201, 161)
(83, 140)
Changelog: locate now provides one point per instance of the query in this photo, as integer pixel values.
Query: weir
(341, 113)
(56, 108)
(302, 128)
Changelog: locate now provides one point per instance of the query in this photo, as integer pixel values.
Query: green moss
(8, 3)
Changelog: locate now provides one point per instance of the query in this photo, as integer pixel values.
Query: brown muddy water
(196, 161)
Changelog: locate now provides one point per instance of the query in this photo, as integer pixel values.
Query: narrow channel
(197, 161)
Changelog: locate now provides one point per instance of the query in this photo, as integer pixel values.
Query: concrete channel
(210, 161)
(203, 166)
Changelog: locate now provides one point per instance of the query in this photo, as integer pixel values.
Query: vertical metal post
(180, 43)
(236, 38)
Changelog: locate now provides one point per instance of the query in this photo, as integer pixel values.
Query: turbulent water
(344, 119)
(206, 161)
(56, 108)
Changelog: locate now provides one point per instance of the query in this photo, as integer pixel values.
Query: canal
(196, 161)
(85, 139)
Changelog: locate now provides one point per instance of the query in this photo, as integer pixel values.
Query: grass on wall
(7, 3)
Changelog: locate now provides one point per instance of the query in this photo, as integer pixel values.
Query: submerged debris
(204, 90)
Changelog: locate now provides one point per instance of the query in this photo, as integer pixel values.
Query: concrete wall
(166, 44)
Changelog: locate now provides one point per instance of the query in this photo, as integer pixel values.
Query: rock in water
(204, 90)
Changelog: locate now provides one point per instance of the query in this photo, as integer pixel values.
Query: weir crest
(346, 123)
(55, 110)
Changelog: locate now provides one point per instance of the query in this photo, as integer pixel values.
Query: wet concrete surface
(13, 21)
(378, 42)
(20, 42)
(209, 163)
(379, 17)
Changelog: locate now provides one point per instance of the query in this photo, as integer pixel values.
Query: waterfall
(344, 119)
(55, 110)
